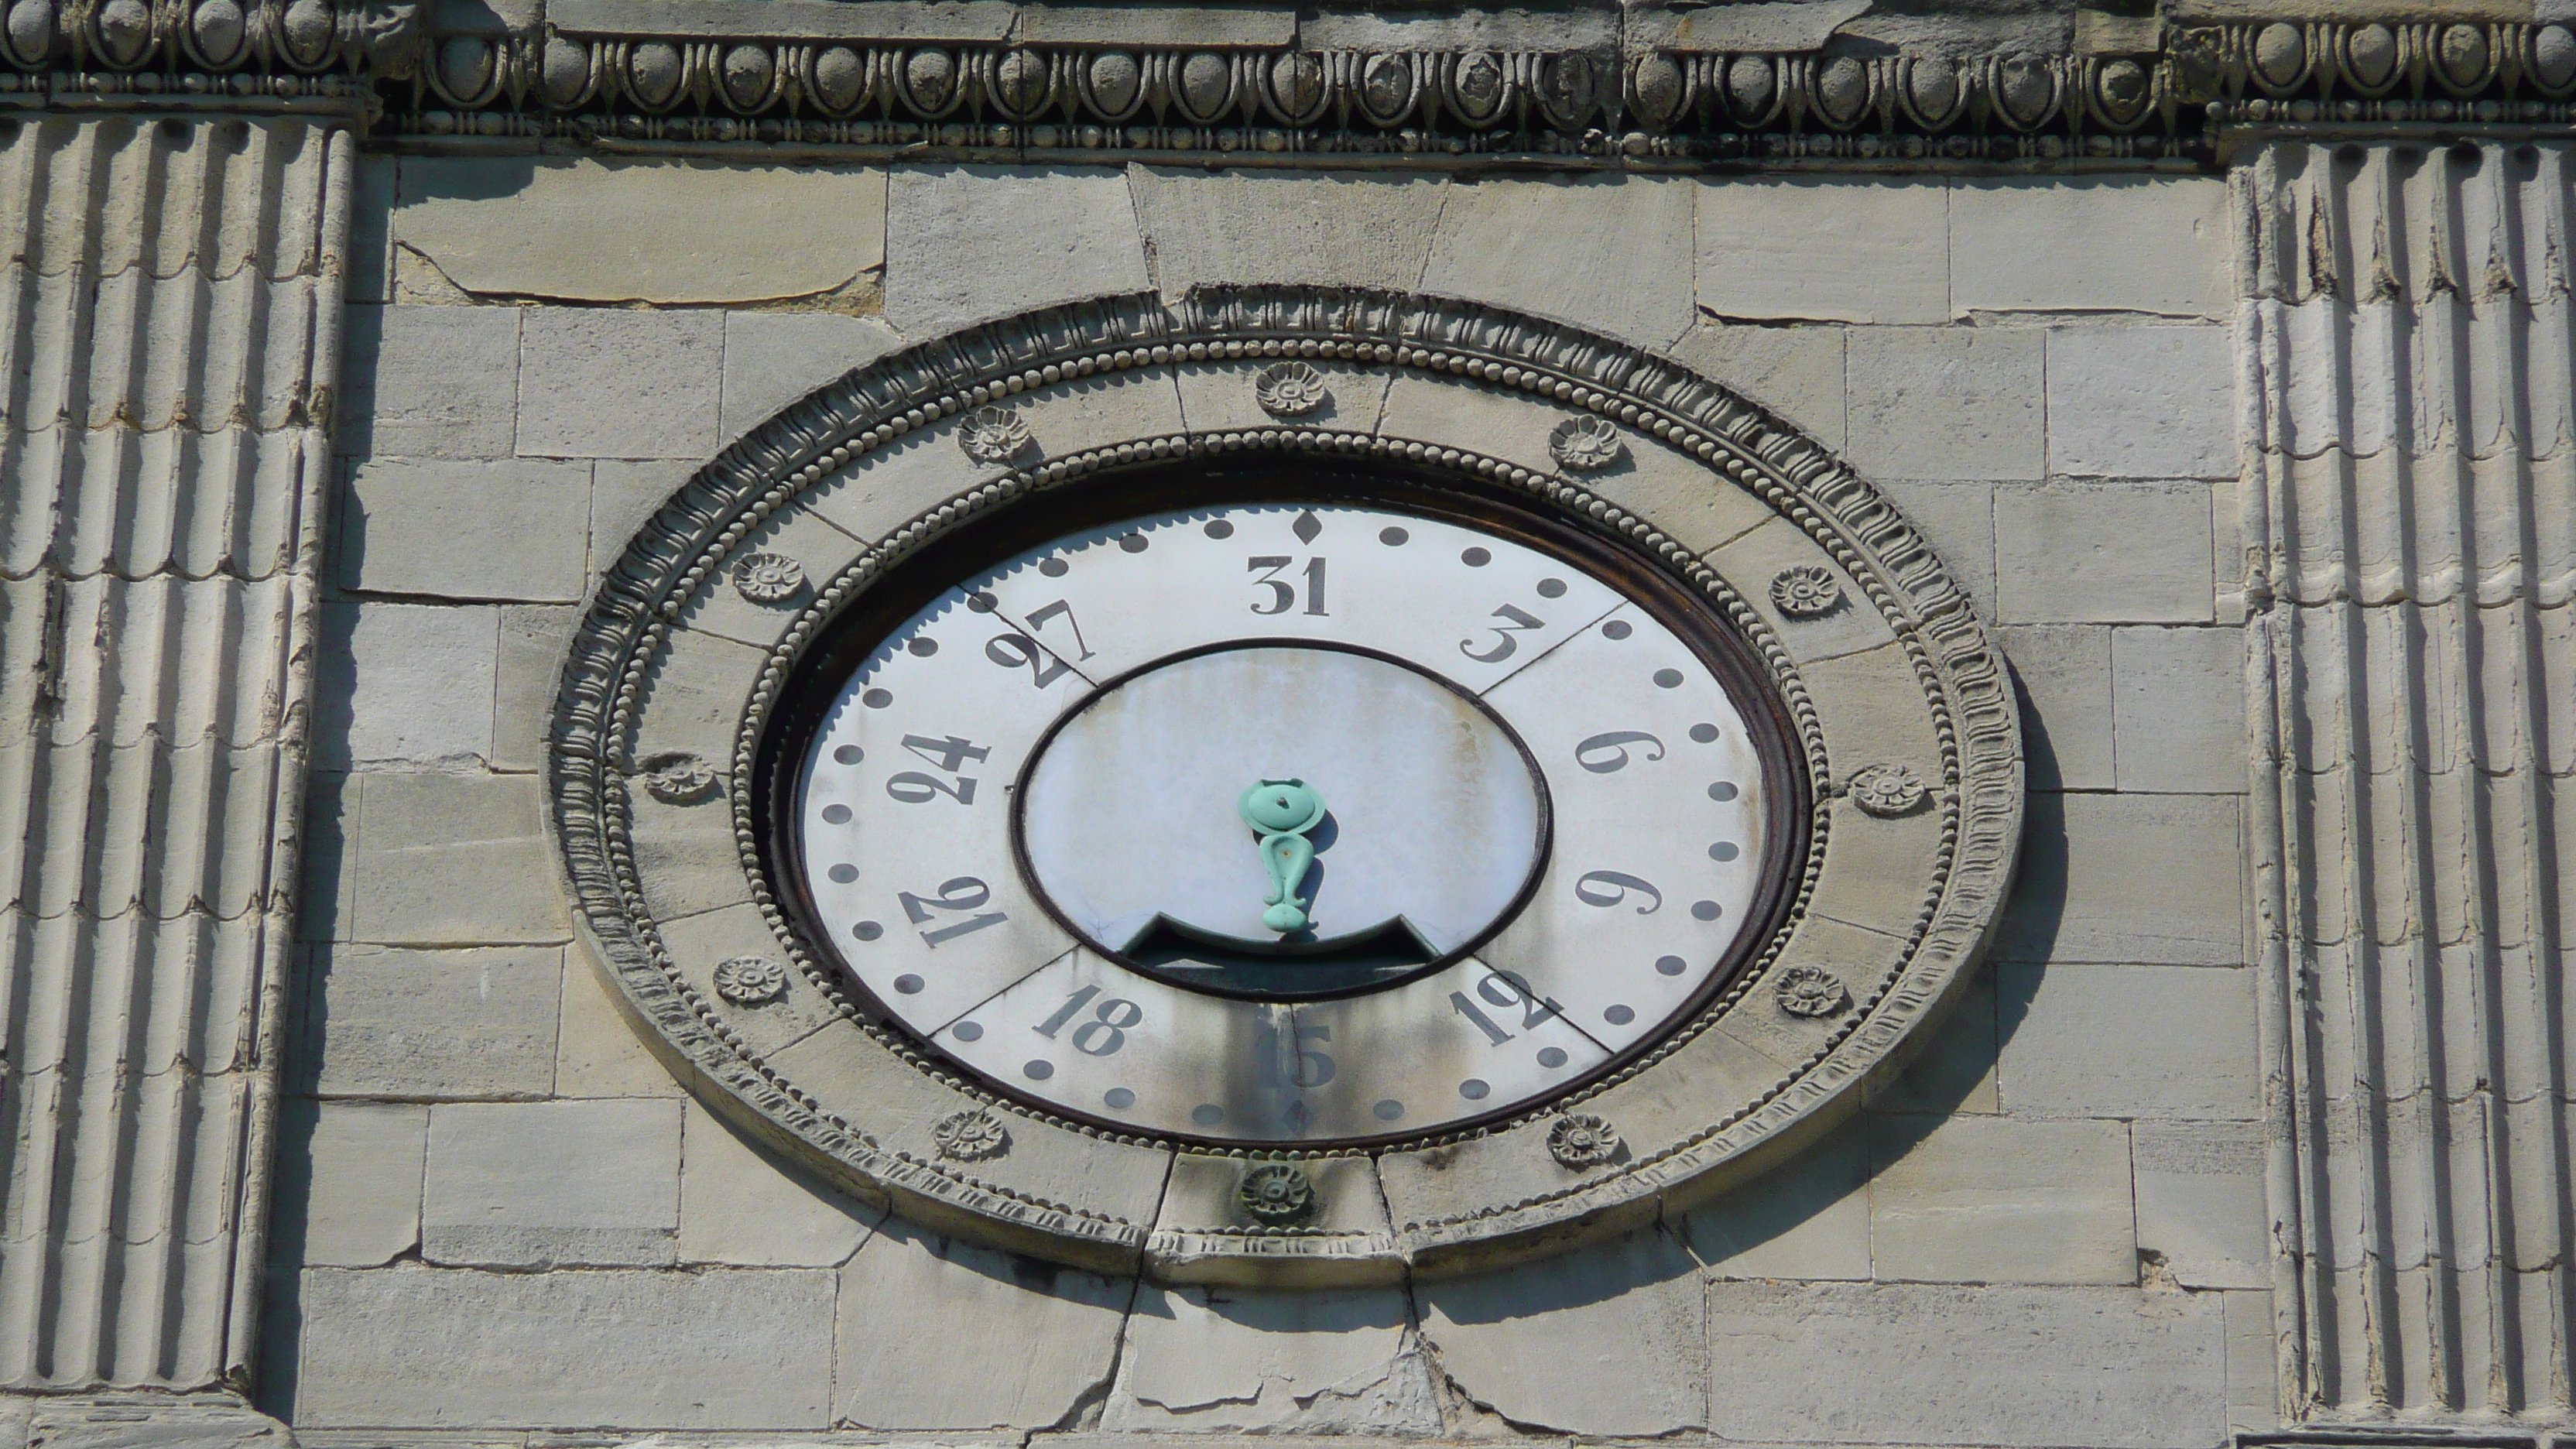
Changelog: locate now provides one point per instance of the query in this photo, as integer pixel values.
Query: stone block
(443, 1348)
(1763, 554)
(1832, 251)
(2063, 244)
(371, 232)
(624, 495)
(1898, 1363)
(2128, 878)
(2179, 702)
(2104, 553)
(1219, 396)
(1045, 1336)
(743, 1205)
(1346, 228)
(1611, 254)
(2253, 1364)
(466, 530)
(552, 1184)
(1538, 1344)
(1796, 372)
(1955, 1070)
(348, 1182)
(1213, 1360)
(455, 860)
(429, 382)
(969, 243)
(533, 638)
(2173, 1042)
(326, 880)
(2201, 1214)
(2000, 1200)
(1806, 1219)
(2064, 671)
(1958, 520)
(405, 684)
(2142, 402)
(599, 1049)
(773, 358)
(585, 230)
(598, 382)
(438, 1024)
(1947, 402)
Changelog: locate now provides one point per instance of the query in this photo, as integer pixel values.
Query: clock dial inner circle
(1136, 827)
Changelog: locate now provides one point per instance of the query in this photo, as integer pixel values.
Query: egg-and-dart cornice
(1779, 84)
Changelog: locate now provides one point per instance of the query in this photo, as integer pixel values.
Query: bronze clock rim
(1278, 476)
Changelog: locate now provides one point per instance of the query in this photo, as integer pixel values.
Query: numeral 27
(964, 893)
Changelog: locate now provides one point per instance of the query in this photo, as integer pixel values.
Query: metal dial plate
(1621, 897)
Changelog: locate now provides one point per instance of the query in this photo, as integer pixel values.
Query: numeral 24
(912, 787)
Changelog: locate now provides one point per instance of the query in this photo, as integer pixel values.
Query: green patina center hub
(1280, 812)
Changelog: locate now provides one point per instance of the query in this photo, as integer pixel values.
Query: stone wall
(501, 1214)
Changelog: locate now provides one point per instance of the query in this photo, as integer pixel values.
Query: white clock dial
(1281, 823)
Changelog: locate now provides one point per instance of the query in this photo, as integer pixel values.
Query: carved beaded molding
(1958, 703)
(1652, 89)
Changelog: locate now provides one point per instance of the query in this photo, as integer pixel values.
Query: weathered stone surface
(738, 1349)
(445, 1024)
(2129, 1041)
(457, 530)
(1763, 554)
(1046, 1336)
(327, 882)
(1537, 1344)
(1833, 251)
(430, 382)
(1357, 229)
(599, 1052)
(1953, 1365)
(455, 860)
(348, 1181)
(2110, 553)
(2141, 402)
(773, 358)
(405, 684)
(741, 1205)
(2000, 1200)
(610, 383)
(966, 243)
(1806, 1219)
(578, 229)
(1796, 372)
(2253, 1363)
(371, 232)
(1610, 254)
(1958, 520)
(2093, 244)
(1947, 402)
(553, 1184)
(1206, 1359)
(2128, 878)
(2179, 702)
(529, 665)
(623, 495)
(144, 1422)
(2064, 671)
(1956, 1070)
(2201, 1213)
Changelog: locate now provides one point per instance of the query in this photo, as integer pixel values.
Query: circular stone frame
(1871, 645)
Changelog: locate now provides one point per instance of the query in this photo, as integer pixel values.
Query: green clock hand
(1280, 812)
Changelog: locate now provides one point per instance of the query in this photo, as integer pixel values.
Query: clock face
(1288, 822)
